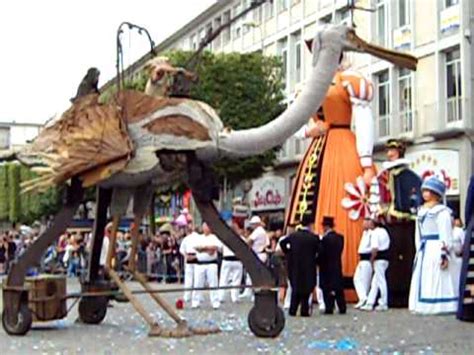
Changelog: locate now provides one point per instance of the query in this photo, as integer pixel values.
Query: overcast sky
(46, 46)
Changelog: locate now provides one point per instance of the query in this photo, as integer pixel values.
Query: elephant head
(328, 45)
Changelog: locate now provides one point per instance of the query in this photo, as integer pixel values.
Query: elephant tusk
(403, 60)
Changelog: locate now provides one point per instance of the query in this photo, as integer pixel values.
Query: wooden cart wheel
(92, 310)
(23, 321)
(263, 330)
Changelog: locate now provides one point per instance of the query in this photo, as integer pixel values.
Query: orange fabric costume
(333, 159)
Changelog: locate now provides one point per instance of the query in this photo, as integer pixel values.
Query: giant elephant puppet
(141, 142)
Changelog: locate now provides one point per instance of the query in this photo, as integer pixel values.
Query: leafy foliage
(247, 91)
(24, 208)
(14, 211)
(4, 200)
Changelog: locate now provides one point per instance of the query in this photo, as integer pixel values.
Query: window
(383, 103)
(207, 32)
(344, 16)
(236, 27)
(405, 100)
(4, 138)
(202, 35)
(268, 10)
(298, 146)
(449, 3)
(218, 40)
(296, 58)
(326, 19)
(226, 31)
(282, 5)
(258, 15)
(282, 50)
(404, 12)
(193, 42)
(284, 151)
(381, 19)
(453, 85)
(284, 58)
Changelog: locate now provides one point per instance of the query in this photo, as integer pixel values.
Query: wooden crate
(47, 297)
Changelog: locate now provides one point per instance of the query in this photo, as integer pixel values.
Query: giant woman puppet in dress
(337, 156)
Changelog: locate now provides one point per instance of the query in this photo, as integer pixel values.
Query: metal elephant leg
(92, 310)
(16, 317)
(265, 319)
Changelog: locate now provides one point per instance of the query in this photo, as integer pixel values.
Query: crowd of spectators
(158, 255)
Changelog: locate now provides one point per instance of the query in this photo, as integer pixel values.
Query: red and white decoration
(362, 201)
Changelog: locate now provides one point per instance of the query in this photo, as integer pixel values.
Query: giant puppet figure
(400, 196)
(335, 157)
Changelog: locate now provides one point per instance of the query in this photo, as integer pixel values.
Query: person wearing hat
(400, 197)
(336, 156)
(432, 288)
(331, 279)
(258, 241)
(301, 250)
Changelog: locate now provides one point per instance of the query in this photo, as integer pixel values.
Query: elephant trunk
(327, 49)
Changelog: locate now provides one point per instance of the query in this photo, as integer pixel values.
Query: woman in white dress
(432, 289)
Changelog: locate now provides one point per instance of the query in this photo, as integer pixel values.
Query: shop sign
(442, 163)
(267, 193)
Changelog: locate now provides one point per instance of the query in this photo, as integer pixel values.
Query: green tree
(14, 212)
(4, 199)
(247, 91)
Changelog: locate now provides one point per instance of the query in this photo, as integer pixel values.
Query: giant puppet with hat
(433, 289)
(337, 156)
(399, 190)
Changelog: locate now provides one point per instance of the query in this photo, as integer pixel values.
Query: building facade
(430, 108)
(14, 135)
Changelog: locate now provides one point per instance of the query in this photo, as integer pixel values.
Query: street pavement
(124, 332)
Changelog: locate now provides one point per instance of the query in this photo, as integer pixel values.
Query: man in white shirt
(188, 252)
(231, 270)
(363, 272)
(258, 241)
(206, 246)
(105, 245)
(380, 243)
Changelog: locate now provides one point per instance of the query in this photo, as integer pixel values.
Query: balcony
(383, 126)
(444, 118)
(406, 121)
(453, 109)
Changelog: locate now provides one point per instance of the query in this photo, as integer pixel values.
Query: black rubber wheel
(92, 310)
(263, 331)
(23, 321)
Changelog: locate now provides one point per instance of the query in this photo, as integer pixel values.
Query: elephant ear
(89, 138)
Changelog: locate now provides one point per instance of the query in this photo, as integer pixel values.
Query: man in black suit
(330, 268)
(301, 250)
